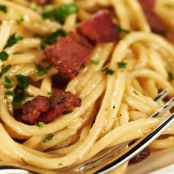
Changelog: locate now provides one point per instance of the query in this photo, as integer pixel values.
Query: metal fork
(116, 156)
(109, 160)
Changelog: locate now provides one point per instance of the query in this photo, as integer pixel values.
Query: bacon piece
(141, 156)
(32, 109)
(69, 54)
(47, 109)
(99, 28)
(60, 103)
(41, 2)
(154, 21)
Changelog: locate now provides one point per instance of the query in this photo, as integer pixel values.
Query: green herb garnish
(40, 124)
(8, 83)
(23, 81)
(4, 69)
(20, 96)
(60, 164)
(135, 92)
(20, 20)
(3, 8)
(60, 13)
(49, 93)
(13, 39)
(95, 62)
(170, 76)
(3, 56)
(9, 93)
(48, 138)
(40, 70)
(122, 65)
(122, 30)
(50, 39)
(109, 71)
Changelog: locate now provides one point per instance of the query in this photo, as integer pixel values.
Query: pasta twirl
(116, 86)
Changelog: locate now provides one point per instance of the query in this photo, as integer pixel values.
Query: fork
(140, 144)
(114, 157)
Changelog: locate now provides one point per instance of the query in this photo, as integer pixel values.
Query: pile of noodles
(115, 107)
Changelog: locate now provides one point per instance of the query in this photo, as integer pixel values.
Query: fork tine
(162, 110)
(161, 95)
(138, 146)
(167, 106)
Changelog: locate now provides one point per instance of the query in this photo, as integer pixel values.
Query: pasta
(116, 86)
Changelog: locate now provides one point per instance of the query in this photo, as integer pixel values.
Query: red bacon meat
(69, 54)
(46, 109)
(32, 109)
(99, 28)
(152, 18)
(60, 103)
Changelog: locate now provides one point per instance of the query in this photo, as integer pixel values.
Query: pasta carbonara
(113, 91)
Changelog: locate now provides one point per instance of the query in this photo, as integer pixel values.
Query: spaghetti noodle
(116, 86)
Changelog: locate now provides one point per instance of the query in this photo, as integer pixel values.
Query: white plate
(12, 171)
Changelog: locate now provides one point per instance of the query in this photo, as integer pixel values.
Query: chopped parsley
(50, 39)
(48, 138)
(13, 39)
(10, 93)
(122, 65)
(20, 20)
(60, 13)
(3, 56)
(135, 92)
(4, 69)
(8, 83)
(20, 95)
(49, 93)
(23, 81)
(42, 70)
(60, 164)
(40, 124)
(122, 30)
(109, 71)
(3, 8)
(170, 76)
(95, 62)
